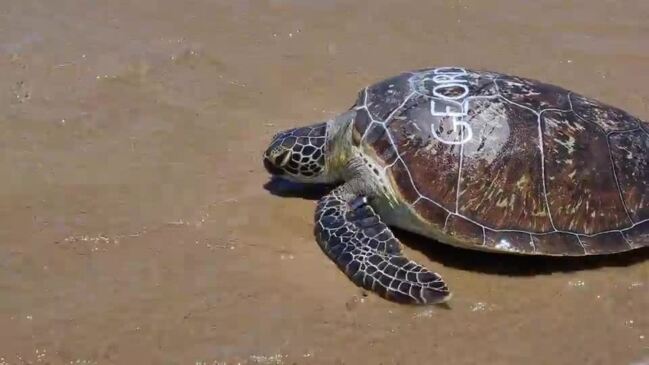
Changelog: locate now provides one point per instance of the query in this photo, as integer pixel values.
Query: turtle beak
(271, 168)
(276, 157)
(283, 158)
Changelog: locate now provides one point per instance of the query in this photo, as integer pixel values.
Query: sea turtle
(474, 159)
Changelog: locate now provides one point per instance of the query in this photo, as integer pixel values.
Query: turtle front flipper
(354, 237)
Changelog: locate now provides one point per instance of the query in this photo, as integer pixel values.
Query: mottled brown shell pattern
(510, 164)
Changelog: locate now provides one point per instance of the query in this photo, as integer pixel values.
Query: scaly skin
(354, 237)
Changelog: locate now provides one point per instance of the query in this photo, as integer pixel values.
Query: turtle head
(299, 154)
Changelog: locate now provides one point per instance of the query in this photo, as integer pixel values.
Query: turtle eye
(283, 158)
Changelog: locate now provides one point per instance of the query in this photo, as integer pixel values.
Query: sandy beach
(138, 225)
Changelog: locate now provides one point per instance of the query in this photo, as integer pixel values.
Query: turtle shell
(504, 163)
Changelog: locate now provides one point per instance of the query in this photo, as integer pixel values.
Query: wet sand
(137, 225)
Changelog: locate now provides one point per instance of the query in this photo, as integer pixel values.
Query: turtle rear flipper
(354, 237)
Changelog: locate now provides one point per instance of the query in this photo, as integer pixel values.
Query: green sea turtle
(474, 159)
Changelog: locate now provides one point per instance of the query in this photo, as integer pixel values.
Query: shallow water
(135, 223)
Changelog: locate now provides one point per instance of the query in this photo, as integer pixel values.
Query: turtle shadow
(515, 265)
(288, 189)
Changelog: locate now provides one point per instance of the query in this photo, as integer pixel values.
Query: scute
(608, 118)
(533, 94)
(431, 212)
(502, 167)
(509, 164)
(385, 96)
(611, 242)
(362, 121)
(558, 244)
(401, 180)
(582, 192)
(427, 158)
(507, 241)
(638, 236)
(630, 155)
(447, 81)
(464, 231)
